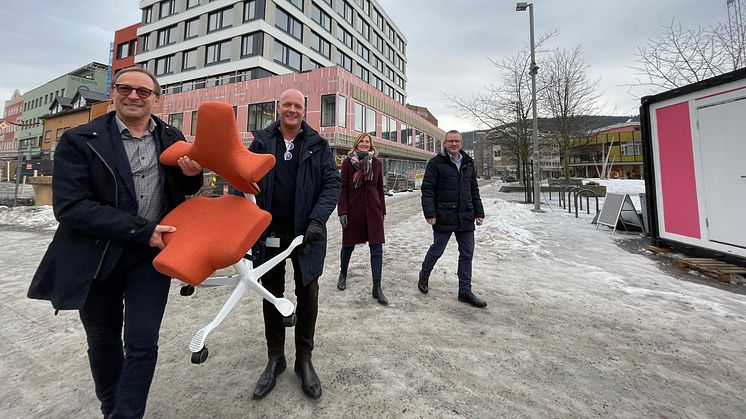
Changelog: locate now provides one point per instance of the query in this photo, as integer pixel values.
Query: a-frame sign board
(618, 210)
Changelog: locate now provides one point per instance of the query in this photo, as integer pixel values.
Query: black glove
(343, 220)
(313, 232)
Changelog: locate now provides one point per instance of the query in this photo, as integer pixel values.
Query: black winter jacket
(317, 189)
(95, 204)
(449, 195)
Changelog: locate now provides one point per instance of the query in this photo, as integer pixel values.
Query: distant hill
(587, 123)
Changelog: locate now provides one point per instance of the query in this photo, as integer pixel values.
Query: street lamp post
(520, 7)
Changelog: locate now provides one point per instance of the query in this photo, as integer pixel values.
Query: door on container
(722, 130)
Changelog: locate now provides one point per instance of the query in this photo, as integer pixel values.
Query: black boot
(310, 383)
(422, 285)
(342, 282)
(379, 295)
(266, 382)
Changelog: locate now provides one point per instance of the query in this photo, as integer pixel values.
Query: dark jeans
(376, 260)
(306, 310)
(465, 241)
(134, 295)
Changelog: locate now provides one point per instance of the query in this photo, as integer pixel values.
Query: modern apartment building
(36, 102)
(193, 44)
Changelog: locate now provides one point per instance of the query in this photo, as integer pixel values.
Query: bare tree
(505, 109)
(683, 56)
(567, 94)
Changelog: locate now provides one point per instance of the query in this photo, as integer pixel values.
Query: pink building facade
(339, 106)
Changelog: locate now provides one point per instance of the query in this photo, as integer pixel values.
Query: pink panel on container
(678, 182)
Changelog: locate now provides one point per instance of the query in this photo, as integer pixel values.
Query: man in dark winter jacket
(300, 192)
(451, 204)
(109, 194)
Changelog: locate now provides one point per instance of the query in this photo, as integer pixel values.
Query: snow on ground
(580, 323)
(41, 218)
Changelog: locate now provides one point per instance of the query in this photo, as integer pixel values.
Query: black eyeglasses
(125, 90)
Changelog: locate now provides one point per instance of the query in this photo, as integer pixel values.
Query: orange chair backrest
(218, 146)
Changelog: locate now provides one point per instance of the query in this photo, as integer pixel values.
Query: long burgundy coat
(364, 206)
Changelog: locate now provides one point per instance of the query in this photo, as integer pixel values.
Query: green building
(36, 103)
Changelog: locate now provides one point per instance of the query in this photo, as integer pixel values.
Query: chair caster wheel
(290, 320)
(186, 290)
(200, 356)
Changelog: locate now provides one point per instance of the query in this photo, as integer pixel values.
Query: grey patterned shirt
(143, 159)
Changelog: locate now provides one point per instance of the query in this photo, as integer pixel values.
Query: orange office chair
(214, 233)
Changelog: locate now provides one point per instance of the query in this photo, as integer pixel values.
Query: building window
(220, 19)
(344, 61)
(370, 121)
(60, 131)
(344, 36)
(289, 24)
(393, 133)
(192, 3)
(321, 17)
(167, 36)
(297, 3)
(193, 129)
(47, 137)
(359, 117)
(163, 65)
(145, 42)
(286, 55)
(320, 45)
(147, 15)
(384, 127)
(362, 27)
(312, 65)
(261, 115)
(123, 50)
(190, 59)
(345, 10)
(218, 52)
(362, 51)
(252, 44)
(342, 111)
(406, 135)
(328, 109)
(192, 28)
(418, 139)
(176, 120)
(253, 9)
(168, 8)
(362, 72)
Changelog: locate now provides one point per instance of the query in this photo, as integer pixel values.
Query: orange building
(69, 113)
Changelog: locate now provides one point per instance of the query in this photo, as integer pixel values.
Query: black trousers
(133, 296)
(307, 300)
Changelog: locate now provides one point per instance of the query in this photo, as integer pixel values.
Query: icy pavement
(580, 323)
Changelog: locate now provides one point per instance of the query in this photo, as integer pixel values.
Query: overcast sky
(449, 41)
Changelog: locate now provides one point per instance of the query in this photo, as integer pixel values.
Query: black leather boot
(342, 282)
(422, 285)
(379, 295)
(310, 383)
(266, 382)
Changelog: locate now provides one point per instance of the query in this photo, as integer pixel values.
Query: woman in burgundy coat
(361, 209)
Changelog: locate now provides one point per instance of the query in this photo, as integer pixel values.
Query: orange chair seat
(211, 234)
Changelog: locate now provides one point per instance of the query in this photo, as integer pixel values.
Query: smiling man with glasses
(110, 193)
